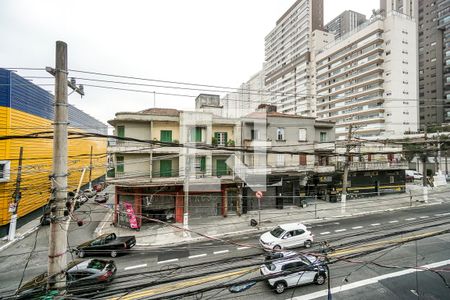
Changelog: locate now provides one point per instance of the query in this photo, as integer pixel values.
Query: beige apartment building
(368, 79)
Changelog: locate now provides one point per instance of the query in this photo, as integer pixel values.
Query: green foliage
(230, 143)
(410, 150)
(214, 141)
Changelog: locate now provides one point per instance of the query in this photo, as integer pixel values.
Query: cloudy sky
(210, 42)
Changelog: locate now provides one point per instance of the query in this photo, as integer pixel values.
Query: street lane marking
(208, 244)
(357, 284)
(326, 232)
(395, 221)
(167, 261)
(357, 227)
(139, 244)
(197, 256)
(340, 230)
(375, 224)
(410, 219)
(243, 248)
(424, 217)
(221, 251)
(440, 215)
(135, 267)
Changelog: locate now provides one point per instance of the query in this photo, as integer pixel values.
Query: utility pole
(90, 170)
(346, 165)
(58, 237)
(424, 167)
(59, 211)
(17, 196)
(187, 174)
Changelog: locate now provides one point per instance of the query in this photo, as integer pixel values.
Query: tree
(411, 150)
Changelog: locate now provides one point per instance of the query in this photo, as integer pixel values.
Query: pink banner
(131, 216)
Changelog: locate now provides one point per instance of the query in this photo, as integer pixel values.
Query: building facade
(369, 79)
(152, 176)
(288, 59)
(344, 23)
(286, 150)
(434, 62)
(26, 108)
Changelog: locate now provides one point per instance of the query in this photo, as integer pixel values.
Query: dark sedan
(81, 276)
(108, 244)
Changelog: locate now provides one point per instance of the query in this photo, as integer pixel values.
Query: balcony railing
(371, 165)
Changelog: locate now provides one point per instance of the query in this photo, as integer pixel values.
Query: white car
(287, 236)
(413, 175)
(303, 269)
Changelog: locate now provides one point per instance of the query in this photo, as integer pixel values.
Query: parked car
(93, 274)
(287, 236)
(414, 175)
(277, 255)
(101, 198)
(300, 270)
(106, 244)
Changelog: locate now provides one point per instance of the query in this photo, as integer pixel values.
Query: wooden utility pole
(90, 170)
(346, 165)
(58, 236)
(17, 196)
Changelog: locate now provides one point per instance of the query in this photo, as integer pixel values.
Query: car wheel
(277, 247)
(113, 253)
(81, 254)
(279, 287)
(308, 244)
(320, 279)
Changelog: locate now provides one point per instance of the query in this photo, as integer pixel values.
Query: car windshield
(270, 266)
(277, 232)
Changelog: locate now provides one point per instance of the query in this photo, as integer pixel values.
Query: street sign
(259, 194)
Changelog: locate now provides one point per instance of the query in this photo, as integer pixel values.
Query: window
(200, 164)
(121, 131)
(221, 167)
(280, 134)
(166, 136)
(165, 168)
(302, 135)
(4, 170)
(196, 134)
(303, 160)
(119, 164)
(280, 159)
(323, 137)
(254, 134)
(221, 138)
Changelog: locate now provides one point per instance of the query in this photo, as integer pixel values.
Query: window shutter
(225, 134)
(203, 164)
(121, 131)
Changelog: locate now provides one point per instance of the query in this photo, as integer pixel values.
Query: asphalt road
(215, 256)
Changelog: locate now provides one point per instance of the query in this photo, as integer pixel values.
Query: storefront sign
(131, 216)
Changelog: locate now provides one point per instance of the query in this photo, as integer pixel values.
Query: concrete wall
(158, 126)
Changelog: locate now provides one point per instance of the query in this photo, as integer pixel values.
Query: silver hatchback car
(294, 271)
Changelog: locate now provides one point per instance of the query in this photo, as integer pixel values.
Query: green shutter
(221, 167)
(165, 168)
(166, 136)
(198, 134)
(121, 131)
(225, 135)
(203, 164)
(120, 164)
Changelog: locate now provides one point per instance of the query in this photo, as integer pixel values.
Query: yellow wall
(37, 162)
(158, 126)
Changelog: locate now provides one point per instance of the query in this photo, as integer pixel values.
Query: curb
(311, 221)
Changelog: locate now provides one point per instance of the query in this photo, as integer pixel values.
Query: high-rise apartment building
(344, 23)
(434, 61)
(288, 58)
(246, 98)
(369, 79)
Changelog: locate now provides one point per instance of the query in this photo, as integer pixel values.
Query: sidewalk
(32, 226)
(219, 227)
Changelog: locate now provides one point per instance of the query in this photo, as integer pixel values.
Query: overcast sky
(213, 42)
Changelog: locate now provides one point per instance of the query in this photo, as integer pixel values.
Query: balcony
(324, 169)
(374, 165)
(126, 146)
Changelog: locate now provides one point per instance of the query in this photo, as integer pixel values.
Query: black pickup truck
(108, 244)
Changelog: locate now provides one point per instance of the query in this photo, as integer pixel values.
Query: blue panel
(4, 87)
(25, 96)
